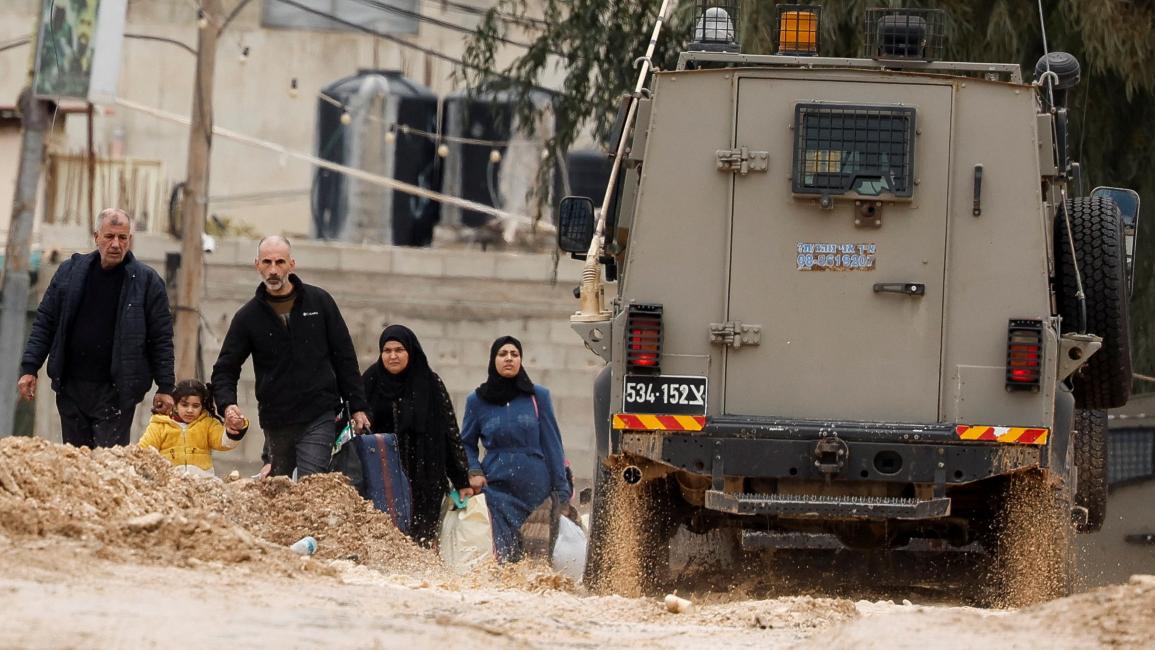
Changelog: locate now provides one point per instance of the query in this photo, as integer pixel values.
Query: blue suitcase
(385, 481)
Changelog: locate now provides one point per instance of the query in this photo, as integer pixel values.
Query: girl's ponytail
(209, 402)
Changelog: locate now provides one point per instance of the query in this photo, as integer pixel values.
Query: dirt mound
(129, 503)
(799, 612)
(1120, 615)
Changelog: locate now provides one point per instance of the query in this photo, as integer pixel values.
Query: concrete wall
(456, 301)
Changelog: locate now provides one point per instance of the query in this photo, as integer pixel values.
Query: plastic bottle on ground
(305, 546)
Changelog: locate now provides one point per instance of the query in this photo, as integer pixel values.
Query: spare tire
(1105, 380)
(1090, 440)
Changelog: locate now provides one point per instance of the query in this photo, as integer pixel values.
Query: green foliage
(594, 43)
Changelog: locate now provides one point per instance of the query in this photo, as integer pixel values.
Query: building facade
(273, 57)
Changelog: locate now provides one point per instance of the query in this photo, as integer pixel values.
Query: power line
(481, 11)
(14, 44)
(419, 17)
(403, 43)
(163, 39)
(360, 174)
(405, 129)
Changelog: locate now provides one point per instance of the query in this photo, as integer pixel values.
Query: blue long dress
(524, 461)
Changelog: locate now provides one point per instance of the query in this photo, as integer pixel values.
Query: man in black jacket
(304, 362)
(105, 327)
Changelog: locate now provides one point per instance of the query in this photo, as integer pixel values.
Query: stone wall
(457, 302)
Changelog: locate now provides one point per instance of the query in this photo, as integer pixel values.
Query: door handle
(905, 288)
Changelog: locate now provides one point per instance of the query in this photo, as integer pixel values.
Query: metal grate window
(1130, 455)
(911, 34)
(863, 149)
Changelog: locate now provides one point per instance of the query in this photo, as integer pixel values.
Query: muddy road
(109, 549)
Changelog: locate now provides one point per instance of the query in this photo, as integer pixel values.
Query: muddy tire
(1090, 441)
(1030, 551)
(1105, 380)
(630, 531)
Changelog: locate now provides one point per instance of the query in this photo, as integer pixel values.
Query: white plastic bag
(467, 535)
(569, 553)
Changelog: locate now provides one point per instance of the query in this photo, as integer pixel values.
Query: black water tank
(378, 102)
(588, 171)
(505, 180)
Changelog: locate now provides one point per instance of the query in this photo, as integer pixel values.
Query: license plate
(665, 394)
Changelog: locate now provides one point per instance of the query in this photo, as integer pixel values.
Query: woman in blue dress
(524, 462)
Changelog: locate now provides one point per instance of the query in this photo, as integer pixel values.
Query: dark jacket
(142, 350)
(302, 370)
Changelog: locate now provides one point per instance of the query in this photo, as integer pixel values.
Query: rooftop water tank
(377, 102)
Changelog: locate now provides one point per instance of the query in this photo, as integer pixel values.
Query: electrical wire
(481, 11)
(1050, 77)
(353, 172)
(163, 39)
(406, 129)
(257, 197)
(14, 44)
(403, 43)
(419, 17)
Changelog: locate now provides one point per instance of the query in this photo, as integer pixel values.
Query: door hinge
(735, 334)
(743, 160)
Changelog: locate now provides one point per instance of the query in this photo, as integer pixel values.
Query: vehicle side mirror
(575, 225)
(1128, 203)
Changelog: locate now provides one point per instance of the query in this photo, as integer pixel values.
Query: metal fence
(1130, 455)
(138, 186)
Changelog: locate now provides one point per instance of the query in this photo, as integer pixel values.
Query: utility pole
(35, 118)
(194, 207)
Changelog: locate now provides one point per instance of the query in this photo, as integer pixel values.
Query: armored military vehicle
(858, 299)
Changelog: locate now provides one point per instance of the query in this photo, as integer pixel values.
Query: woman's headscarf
(414, 385)
(500, 390)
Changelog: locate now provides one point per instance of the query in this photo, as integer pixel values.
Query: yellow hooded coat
(189, 444)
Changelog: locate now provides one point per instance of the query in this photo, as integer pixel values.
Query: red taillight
(644, 340)
(1024, 354)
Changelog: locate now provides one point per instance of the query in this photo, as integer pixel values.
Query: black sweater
(89, 342)
(302, 370)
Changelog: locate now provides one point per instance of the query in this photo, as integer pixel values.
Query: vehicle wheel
(1031, 546)
(1090, 440)
(1105, 380)
(630, 530)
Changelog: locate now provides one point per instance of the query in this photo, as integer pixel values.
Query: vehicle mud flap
(603, 444)
(1059, 441)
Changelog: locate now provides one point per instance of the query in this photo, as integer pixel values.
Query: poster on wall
(78, 52)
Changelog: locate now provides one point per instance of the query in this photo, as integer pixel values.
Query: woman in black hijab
(407, 398)
(524, 464)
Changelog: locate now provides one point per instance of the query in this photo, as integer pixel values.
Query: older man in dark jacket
(304, 362)
(105, 327)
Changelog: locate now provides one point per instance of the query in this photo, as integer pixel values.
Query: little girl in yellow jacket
(189, 435)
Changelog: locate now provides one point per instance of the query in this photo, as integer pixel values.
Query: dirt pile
(1121, 615)
(326, 507)
(798, 612)
(129, 503)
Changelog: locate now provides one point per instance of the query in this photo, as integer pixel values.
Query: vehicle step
(808, 505)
